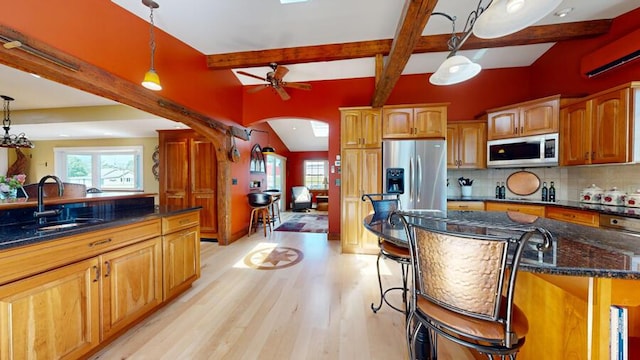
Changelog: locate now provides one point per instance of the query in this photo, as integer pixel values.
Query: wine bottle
(497, 189)
(545, 196)
(503, 191)
(552, 193)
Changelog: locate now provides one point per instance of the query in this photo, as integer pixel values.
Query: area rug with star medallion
(313, 223)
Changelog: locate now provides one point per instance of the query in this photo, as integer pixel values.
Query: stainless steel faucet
(41, 214)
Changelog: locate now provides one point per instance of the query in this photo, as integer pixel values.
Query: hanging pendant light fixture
(267, 150)
(151, 79)
(504, 17)
(12, 141)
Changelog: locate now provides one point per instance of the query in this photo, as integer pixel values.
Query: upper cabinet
(466, 145)
(414, 121)
(360, 128)
(534, 117)
(600, 129)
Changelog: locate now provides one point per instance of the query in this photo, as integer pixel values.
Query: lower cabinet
(181, 253)
(465, 205)
(537, 210)
(54, 315)
(582, 217)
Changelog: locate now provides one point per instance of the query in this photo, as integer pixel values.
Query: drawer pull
(107, 264)
(100, 242)
(97, 269)
(184, 221)
(569, 216)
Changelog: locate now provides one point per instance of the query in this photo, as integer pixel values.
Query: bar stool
(275, 204)
(260, 203)
(383, 206)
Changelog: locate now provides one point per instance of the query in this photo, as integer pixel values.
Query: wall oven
(528, 151)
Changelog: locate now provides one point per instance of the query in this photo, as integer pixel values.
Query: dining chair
(383, 206)
(463, 286)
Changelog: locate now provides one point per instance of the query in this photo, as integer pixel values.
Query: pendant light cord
(152, 38)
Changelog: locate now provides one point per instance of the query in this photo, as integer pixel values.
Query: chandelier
(12, 141)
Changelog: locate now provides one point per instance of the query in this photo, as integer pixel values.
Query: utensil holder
(465, 190)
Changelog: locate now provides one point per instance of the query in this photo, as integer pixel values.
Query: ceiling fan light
(504, 17)
(152, 81)
(455, 69)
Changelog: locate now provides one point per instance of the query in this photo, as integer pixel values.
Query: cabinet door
(397, 123)
(53, 315)
(370, 128)
(472, 146)
(430, 122)
(539, 118)
(350, 128)
(575, 134)
(610, 128)
(174, 181)
(132, 284)
(181, 259)
(503, 124)
(203, 174)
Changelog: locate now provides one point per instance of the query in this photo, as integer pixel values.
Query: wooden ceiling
(407, 41)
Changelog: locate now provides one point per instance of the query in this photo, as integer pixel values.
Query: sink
(63, 224)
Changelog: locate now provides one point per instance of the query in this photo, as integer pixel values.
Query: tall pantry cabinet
(361, 164)
(188, 176)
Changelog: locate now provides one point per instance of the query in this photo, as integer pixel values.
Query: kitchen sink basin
(63, 224)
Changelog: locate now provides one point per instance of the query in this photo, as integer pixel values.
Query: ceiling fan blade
(283, 94)
(301, 86)
(280, 72)
(257, 88)
(250, 75)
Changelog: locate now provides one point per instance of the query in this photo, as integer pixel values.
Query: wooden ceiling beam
(433, 43)
(414, 18)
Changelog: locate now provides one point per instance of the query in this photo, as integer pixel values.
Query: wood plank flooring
(319, 308)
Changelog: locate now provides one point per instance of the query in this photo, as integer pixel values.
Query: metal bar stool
(275, 204)
(260, 203)
(383, 206)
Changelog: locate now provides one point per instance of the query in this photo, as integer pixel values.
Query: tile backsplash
(568, 180)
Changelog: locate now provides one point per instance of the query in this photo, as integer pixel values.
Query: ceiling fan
(274, 80)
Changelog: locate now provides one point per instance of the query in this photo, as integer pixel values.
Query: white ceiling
(215, 27)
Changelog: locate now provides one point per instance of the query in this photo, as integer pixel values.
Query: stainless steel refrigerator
(417, 170)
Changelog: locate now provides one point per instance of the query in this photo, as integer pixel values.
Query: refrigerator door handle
(419, 176)
(411, 172)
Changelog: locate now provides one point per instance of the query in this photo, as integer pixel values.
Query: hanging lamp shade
(268, 150)
(152, 80)
(504, 17)
(453, 70)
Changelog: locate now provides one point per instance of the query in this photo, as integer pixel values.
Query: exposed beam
(432, 43)
(412, 22)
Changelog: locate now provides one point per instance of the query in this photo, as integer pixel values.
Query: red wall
(295, 168)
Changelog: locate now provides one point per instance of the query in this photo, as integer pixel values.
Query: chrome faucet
(41, 214)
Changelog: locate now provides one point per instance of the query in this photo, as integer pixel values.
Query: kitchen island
(67, 290)
(566, 291)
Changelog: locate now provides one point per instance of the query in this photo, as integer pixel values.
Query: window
(116, 168)
(316, 173)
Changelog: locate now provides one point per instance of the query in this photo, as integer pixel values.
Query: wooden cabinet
(465, 205)
(582, 217)
(413, 122)
(181, 253)
(131, 284)
(360, 128)
(53, 315)
(361, 174)
(188, 176)
(537, 210)
(534, 117)
(599, 129)
(467, 145)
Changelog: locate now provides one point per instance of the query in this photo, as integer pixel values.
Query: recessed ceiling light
(564, 12)
(292, 1)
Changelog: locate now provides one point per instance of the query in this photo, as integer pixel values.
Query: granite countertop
(603, 209)
(21, 234)
(577, 250)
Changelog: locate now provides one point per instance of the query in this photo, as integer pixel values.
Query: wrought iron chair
(383, 206)
(463, 287)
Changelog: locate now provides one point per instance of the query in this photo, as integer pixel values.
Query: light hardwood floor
(318, 308)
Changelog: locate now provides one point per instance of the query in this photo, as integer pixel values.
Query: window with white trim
(113, 168)
(316, 173)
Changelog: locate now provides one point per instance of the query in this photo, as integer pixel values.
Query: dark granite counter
(603, 209)
(577, 250)
(18, 227)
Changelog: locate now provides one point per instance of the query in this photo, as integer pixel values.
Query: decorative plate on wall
(523, 183)
(156, 162)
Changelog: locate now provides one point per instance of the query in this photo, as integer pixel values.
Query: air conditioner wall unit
(612, 55)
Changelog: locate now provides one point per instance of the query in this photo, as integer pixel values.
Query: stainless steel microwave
(527, 151)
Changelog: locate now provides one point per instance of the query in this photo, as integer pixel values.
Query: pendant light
(12, 141)
(267, 150)
(504, 17)
(151, 79)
